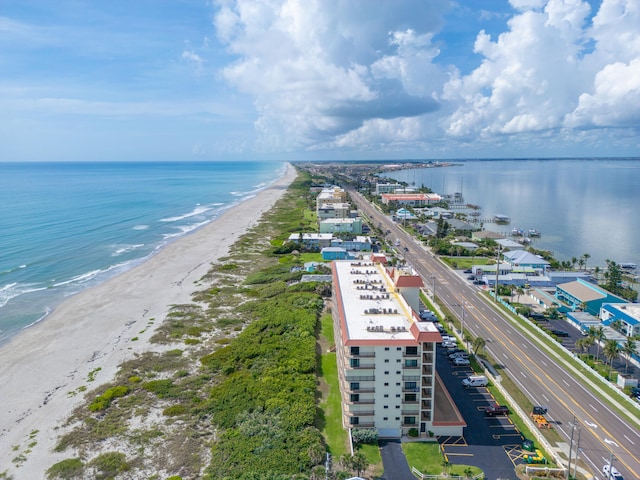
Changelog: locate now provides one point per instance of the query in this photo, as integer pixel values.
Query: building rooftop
(372, 310)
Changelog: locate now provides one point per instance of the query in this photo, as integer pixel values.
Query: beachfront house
(333, 210)
(341, 225)
(585, 296)
(312, 240)
(334, 253)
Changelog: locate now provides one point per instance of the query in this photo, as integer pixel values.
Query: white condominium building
(386, 356)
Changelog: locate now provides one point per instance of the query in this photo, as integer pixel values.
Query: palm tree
(597, 333)
(519, 291)
(478, 344)
(629, 348)
(611, 351)
(584, 343)
(586, 257)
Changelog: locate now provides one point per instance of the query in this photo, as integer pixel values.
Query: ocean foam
(199, 210)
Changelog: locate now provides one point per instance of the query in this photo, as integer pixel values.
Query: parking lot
(493, 444)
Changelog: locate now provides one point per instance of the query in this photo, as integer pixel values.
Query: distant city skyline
(318, 79)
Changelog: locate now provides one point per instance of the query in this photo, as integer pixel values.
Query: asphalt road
(536, 370)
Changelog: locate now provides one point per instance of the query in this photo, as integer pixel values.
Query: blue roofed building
(585, 296)
(627, 313)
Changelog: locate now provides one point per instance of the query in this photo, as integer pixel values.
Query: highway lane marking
(511, 346)
(544, 363)
(565, 382)
(594, 408)
(630, 441)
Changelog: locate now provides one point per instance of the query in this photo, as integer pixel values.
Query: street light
(433, 290)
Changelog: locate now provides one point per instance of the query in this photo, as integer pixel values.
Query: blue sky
(318, 79)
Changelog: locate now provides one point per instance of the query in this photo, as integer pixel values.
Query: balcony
(359, 378)
(361, 390)
(362, 366)
(411, 378)
(362, 402)
(411, 390)
(360, 354)
(361, 413)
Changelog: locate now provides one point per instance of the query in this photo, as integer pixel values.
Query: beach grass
(234, 377)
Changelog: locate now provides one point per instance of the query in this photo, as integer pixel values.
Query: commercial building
(386, 356)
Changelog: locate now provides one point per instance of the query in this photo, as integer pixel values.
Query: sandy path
(94, 328)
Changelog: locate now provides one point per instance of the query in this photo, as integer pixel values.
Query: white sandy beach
(94, 328)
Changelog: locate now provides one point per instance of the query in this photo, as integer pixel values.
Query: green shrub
(162, 388)
(103, 401)
(69, 468)
(365, 436)
(110, 464)
(175, 410)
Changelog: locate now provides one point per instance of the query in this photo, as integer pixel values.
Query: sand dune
(91, 334)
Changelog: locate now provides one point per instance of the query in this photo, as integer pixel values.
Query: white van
(475, 381)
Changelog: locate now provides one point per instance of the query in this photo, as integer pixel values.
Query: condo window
(411, 363)
(410, 397)
(411, 350)
(409, 420)
(354, 420)
(355, 385)
(355, 397)
(355, 362)
(355, 350)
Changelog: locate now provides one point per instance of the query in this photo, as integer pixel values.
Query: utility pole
(497, 272)
(575, 465)
(573, 426)
(609, 477)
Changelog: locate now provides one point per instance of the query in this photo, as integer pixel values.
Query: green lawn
(467, 262)
(427, 458)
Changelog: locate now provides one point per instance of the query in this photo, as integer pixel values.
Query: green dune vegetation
(230, 388)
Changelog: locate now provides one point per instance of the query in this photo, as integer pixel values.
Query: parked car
(475, 381)
(497, 410)
(611, 473)
(559, 333)
(428, 315)
(461, 362)
(455, 355)
(449, 344)
(471, 277)
(478, 282)
(468, 270)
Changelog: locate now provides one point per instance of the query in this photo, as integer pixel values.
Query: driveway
(394, 461)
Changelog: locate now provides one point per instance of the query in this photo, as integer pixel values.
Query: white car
(461, 362)
(458, 355)
(611, 473)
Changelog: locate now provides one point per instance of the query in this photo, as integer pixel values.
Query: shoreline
(92, 332)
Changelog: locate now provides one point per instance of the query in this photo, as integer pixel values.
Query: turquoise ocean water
(67, 226)
(578, 205)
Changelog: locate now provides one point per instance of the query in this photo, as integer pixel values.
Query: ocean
(579, 206)
(65, 227)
